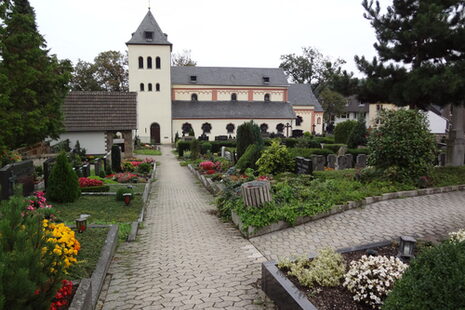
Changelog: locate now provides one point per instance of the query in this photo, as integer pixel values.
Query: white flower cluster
(371, 278)
(458, 236)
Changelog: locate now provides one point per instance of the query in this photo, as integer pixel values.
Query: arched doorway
(155, 133)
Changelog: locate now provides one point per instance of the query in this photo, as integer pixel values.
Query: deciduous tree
(183, 59)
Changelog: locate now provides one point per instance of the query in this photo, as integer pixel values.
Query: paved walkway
(185, 257)
(419, 216)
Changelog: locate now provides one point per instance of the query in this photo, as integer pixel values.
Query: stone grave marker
(332, 161)
(361, 161)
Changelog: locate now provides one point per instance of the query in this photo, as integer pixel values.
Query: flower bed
(288, 291)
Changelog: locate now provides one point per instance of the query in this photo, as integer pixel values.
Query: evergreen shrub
(116, 158)
(205, 147)
(121, 191)
(195, 149)
(275, 159)
(307, 153)
(434, 280)
(358, 135)
(247, 134)
(95, 189)
(402, 145)
(29, 276)
(63, 184)
(343, 130)
(249, 158)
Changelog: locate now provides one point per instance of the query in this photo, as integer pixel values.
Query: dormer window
(193, 78)
(148, 35)
(266, 79)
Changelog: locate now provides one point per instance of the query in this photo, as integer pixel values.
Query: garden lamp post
(406, 247)
(127, 198)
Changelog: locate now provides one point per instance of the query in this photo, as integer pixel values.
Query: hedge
(183, 146)
(95, 189)
(329, 140)
(356, 152)
(343, 130)
(333, 147)
(307, 153)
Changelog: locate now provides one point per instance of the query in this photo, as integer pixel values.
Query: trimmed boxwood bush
(121, 191)
(275, 159)
(329, 140)
(434, 280)
(358, 135)
(205, 147)
(307, 153)
(63, 185)
(247, 134)
(343, 130)
(250, 157)
(216, 145)
(182, 146)
(96, 189)
(333, 147)
(195, 149)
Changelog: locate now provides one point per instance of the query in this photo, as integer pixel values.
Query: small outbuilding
(99, 120)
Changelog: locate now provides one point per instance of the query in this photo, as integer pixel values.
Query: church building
(212, 101)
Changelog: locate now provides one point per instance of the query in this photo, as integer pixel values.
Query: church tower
(149, 55)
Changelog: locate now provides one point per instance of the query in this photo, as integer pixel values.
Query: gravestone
(332, 161)
(223, 150)
(318, 162)
(349, 161)
(442, 159)
(48, 165)
(86, 170)
(361, 161)
(17, 173)
(97, 166)
(342, 150)
(221, 138)
(303, 165)
(341, 163)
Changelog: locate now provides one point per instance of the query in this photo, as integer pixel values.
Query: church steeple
(149, 33)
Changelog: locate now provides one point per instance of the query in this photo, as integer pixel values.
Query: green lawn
(91, 242)
(137, 188)
(147, 152)
(103, 209)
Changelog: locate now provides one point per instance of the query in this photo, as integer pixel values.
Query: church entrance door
(155, 133)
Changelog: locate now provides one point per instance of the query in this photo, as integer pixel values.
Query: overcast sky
(240, 33)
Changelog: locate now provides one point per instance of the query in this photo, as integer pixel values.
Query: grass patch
(447, 176)
(137, 187)
(103, 209)
(147, 152)
(92, 241)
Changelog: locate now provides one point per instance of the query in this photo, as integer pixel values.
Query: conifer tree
(247, 134)
(36, 84)
(63, 185)
(26, 278)
(421, 59)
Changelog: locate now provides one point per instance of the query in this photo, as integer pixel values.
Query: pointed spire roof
(149, 33)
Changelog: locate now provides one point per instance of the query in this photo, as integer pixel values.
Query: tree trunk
(456, 141)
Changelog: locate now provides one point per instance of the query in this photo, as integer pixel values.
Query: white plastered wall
(219, 126)
(93, 142)
(223, 93)
(152, 107)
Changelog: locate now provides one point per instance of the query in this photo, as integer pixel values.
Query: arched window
(149, 87)
(141, 86)
(141, 63)
(264, 128)
(157, 87)
(186, 128)
(267, 98)
(299, 120)
(234, 97)
(318, 120)
(149, 62)
(194, 97)
(280, 128)
(206, 127)
(230, 128)
(158, 63)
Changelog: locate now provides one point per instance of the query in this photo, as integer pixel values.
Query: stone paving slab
(417, 216)
(184, 257)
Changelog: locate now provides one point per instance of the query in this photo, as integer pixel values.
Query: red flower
(86, 182)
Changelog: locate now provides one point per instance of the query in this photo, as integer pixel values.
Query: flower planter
(284, 293)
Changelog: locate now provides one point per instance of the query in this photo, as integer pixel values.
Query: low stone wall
(89, 290)
(251, 231)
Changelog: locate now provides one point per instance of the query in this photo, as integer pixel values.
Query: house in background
(353, 110)
(99, 120)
